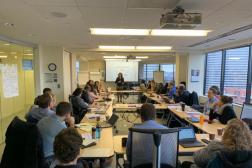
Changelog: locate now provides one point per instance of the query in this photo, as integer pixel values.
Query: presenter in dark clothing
(119, 85)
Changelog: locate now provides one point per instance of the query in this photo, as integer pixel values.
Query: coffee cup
(211, 137)
(220, 131)
(183, 106)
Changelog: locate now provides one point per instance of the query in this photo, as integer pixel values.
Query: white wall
(196, 61)
(45, 55)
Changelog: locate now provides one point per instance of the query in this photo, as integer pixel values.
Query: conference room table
(176, 112)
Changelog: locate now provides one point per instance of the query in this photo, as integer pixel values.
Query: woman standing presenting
(119, 85)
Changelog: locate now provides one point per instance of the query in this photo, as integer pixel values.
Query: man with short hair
(50, 126)
(45, 90)
(182, 95)
(66, 148)
(45, 103)
(148, 116)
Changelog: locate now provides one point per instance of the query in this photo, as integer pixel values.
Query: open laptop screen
(186, 133)
(246, 111)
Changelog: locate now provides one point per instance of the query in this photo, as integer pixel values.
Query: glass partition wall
(16, 83)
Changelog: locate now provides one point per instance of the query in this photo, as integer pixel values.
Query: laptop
(111, 122)
(187, 138)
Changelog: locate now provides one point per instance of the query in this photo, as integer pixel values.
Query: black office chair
(23, 146)
(78, 113)
(153, 148)
(194, 99)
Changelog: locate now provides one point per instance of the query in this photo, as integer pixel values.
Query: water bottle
(98, 131)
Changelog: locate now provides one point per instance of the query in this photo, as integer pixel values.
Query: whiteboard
(158, 76)
(129, 69)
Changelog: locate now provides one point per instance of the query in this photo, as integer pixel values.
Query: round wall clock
(52, 67)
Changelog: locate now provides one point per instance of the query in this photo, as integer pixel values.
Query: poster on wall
(10, 80)
(195, 75)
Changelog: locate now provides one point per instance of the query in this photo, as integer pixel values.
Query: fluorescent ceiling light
(142, 57)
(6, 44)
(120, 32)
(234, 58)
(28, 54)
(114, 57)
(153, 47)
(174, 32)
(117, 47)
(3, 56)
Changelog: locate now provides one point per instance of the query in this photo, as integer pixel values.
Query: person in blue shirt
(50, 126)
(148, 116)
(171, 90)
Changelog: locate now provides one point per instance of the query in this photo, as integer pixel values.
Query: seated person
(142, 85)
(212, 100)
(171, 90)
(45, 90)
(148, 116)
(86, 96)
(183, 83)
(45, 103)
(218, 91)
(97, 87)
(237, 137)
(182, 95)
(77, 101)
(50, 126)
(151, 85)
(66, 148)
(225, 111)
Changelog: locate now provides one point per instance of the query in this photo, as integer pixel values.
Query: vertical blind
(236, 71)
(169, 71)
(213, 69)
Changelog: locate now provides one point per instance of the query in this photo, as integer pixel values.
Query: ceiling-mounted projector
(178, 19)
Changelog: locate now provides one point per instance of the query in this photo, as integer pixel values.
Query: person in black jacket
(225, 111)
(119, 86)
(86, 96)
(182, 95)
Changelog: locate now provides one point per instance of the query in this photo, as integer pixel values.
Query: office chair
(154, 148)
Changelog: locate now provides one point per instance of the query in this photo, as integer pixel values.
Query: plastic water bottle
(98, 131)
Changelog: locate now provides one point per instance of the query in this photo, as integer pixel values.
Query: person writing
(225, 111)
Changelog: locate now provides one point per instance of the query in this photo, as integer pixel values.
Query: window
(231, 74)
(149, 69)
(169, 71)
(236, 72)
(213, 69)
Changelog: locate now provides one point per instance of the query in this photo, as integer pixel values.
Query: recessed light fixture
(117, 47)
(174, 32)
(153, 47)
(148, 32)
(119, 32)
(115, 57)
(7, 44)
(15, 57)
(3, 56)
(28, 54)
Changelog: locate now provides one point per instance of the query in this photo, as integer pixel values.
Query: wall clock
(52, 67)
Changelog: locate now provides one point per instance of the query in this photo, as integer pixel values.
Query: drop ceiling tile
(169, 4)
(102, 3)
